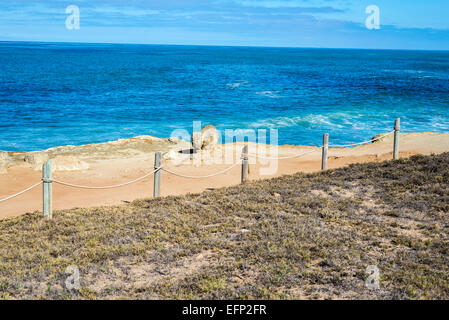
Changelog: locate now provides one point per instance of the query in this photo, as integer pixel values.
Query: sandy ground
(124, 160)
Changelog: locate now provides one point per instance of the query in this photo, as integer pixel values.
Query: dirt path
(122, 166)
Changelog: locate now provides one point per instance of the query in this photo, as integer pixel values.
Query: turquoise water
(59, 94)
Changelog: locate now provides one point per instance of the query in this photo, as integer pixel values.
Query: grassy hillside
(300, 236)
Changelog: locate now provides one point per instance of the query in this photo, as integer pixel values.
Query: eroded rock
(196, 140)
(67, 163)
(206, 139)
(4, 156)
(36, 157)
(171, 155)
(174, 140)
(4, 159)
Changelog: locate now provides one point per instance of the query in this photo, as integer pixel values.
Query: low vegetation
(304, 236)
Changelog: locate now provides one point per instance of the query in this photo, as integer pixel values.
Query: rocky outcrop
(174, 140)
(196, 140)
(66, 163)
(206, 139)
(79, 157)
(4, 156)
(36, 158)
(172, 155)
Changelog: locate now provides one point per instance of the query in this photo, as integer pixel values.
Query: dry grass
(300, 236)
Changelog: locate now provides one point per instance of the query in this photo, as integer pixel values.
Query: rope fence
(47, 179)
(104, 187)
(285, 158)
(203, 177)
(360, 143)
(21, 192)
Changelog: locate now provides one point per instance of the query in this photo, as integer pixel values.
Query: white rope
(105, 187)
(283, 158)
(319, 148)
(187, 176)
(359, 143)
(203, 177)
(21, 192)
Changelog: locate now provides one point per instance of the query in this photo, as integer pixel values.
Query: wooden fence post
(325, 150)
(157, 174)
(244, 164)
(397, 129)
(47, 190)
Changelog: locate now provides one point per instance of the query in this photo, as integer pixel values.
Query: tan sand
(124, 160)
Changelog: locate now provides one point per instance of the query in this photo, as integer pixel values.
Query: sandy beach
(124, 160)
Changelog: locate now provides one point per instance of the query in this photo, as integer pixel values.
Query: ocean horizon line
(224, 46)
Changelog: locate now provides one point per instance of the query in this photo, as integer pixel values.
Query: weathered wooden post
(325, 150)
(157, 174)
(397, 129)
(47, 190)
(244, 164)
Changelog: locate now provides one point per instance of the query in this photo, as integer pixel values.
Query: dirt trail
(120, 161)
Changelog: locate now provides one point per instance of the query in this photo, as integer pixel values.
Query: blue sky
(411, 24)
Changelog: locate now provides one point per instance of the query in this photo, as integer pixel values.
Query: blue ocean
(54, 94)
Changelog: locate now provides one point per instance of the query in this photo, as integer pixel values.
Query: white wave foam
(269, 94)
(338, 120)
(237, 84)
(306, 121)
